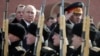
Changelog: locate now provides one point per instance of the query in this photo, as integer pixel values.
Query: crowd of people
(23, 32)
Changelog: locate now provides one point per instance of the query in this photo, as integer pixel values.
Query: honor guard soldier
(97, 39)
(16, 34)
(73, 14)
(56, 42)
(77, 40)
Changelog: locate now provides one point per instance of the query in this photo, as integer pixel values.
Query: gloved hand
(48, 51)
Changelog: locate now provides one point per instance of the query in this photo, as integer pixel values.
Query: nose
(21, 13)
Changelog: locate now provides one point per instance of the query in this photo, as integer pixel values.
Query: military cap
(75, 7)
(77, 30)
(17, 30)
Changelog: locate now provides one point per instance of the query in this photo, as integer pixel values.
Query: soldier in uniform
(56, 42)
(77, 40)
(73, 14)
(97, 38)
(16, 34)
(49, 21)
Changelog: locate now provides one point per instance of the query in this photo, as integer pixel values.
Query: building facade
(50, 7)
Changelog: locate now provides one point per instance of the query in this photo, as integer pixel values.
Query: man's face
(76, 18)
(13, 38)
(29, 14)
(56, 39)
(19, 13)
(50, 22)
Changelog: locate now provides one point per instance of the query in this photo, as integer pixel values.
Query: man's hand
(68, 15)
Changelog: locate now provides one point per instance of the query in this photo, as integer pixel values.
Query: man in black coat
(16, 34)
(56, 42)
(73, 14)
(29, 15)
(77, 40)
(32, 36)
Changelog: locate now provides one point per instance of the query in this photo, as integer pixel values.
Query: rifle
(5, 31)
(63, 39)
(86, 31)
(38, 42)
